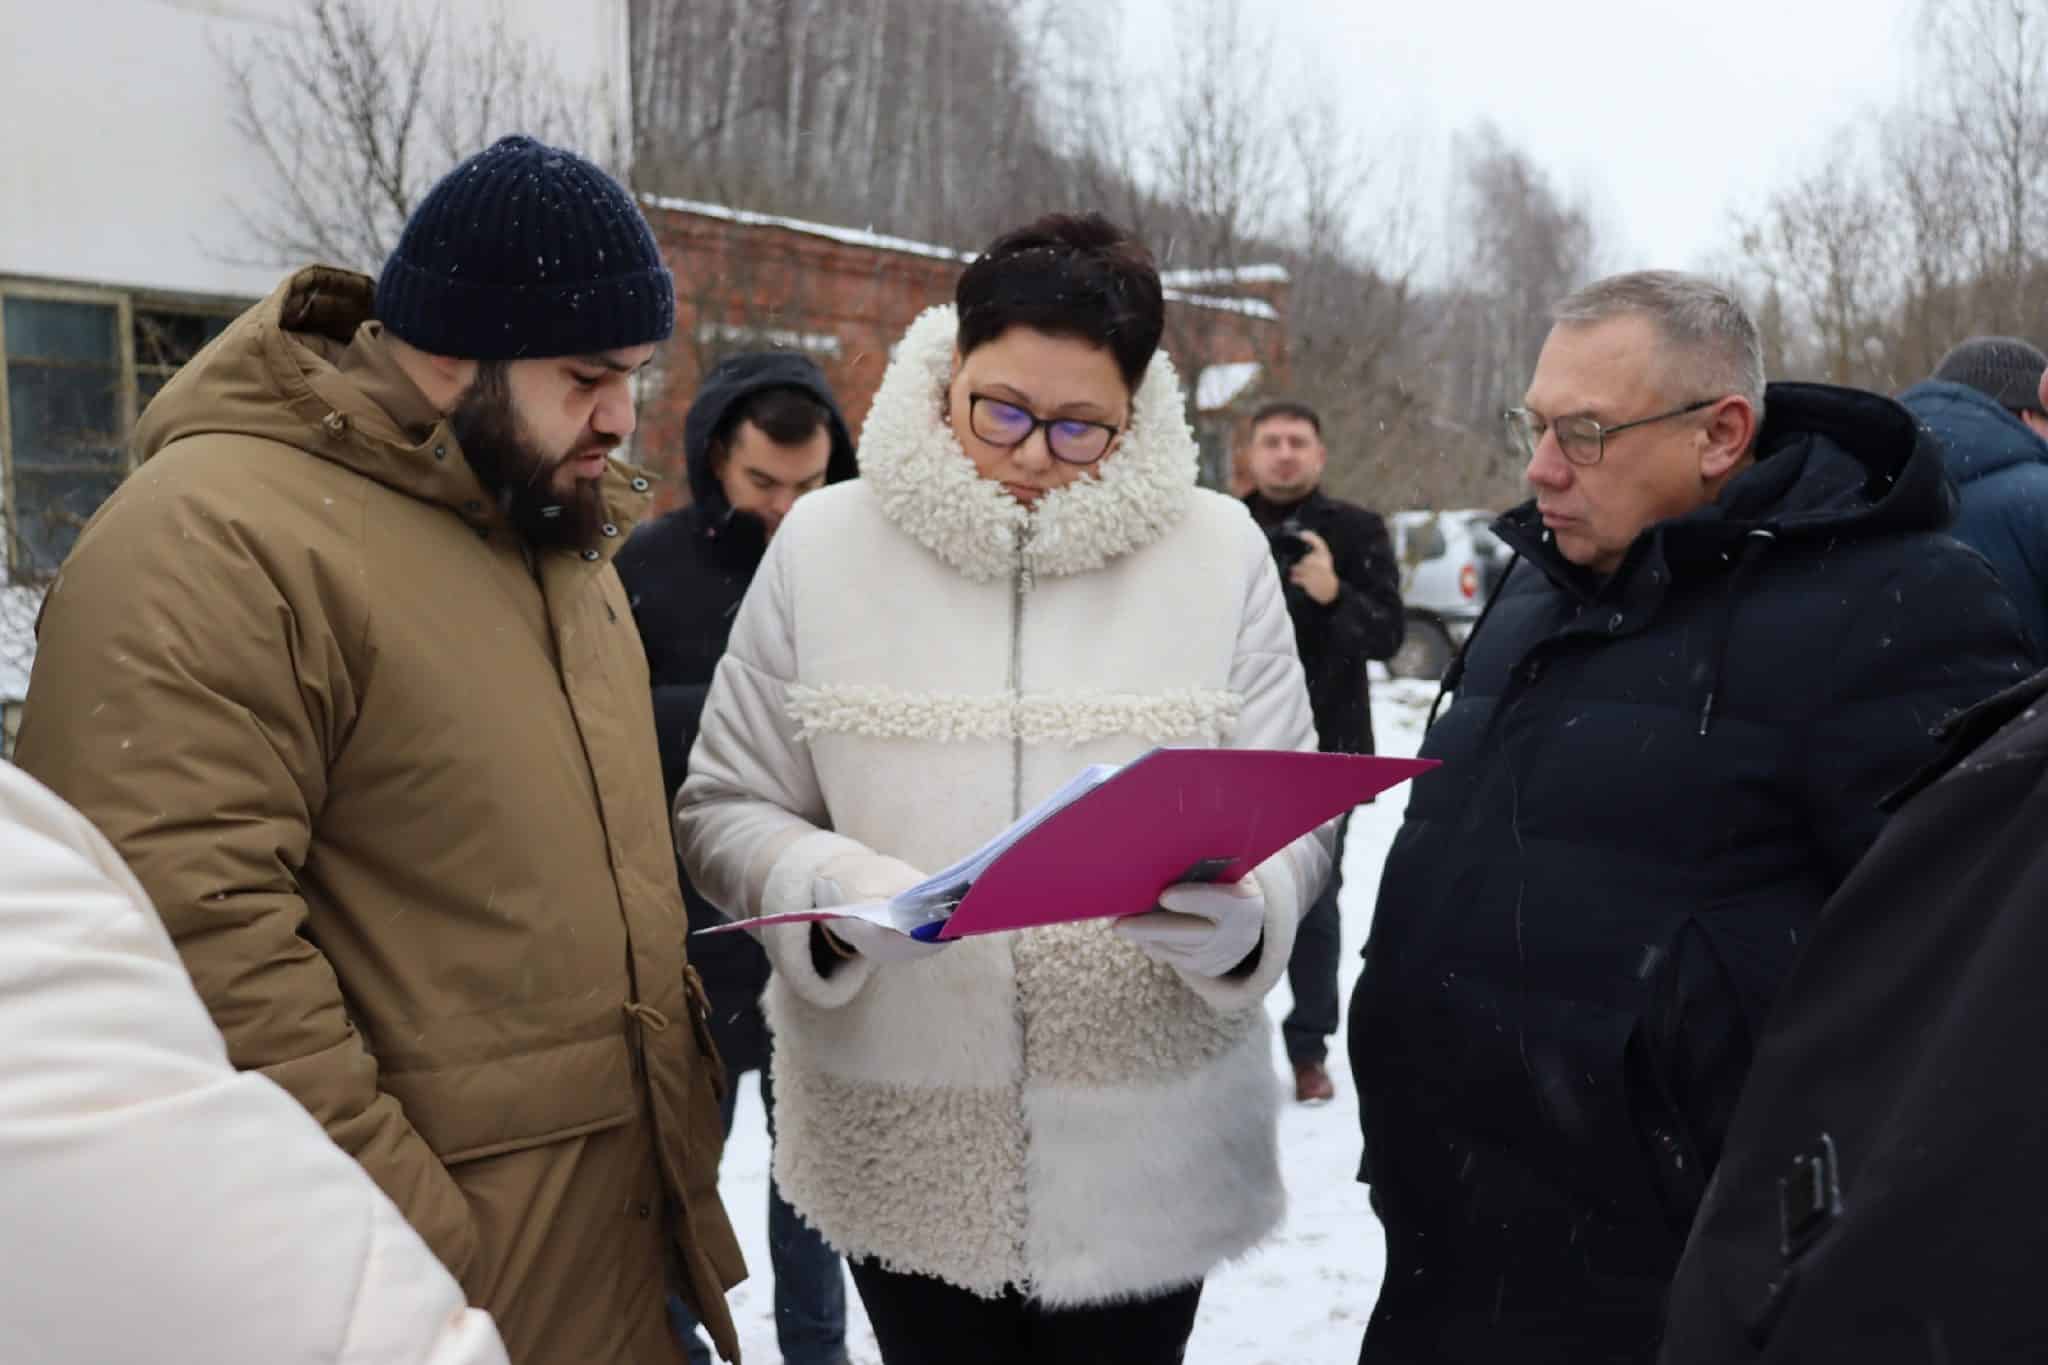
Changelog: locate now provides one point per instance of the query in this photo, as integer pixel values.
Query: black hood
(734, 379)
(1840, 463)
(1832, 463)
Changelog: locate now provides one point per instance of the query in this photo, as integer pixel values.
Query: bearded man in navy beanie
(345, 673)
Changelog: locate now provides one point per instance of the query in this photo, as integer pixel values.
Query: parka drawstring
(650, 1018)
(1753, 548)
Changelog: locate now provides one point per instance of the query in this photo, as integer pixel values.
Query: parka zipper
(1017, 590)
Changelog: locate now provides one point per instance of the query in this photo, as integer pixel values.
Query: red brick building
(843, 296)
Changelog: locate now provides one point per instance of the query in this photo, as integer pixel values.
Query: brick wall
(844, 297)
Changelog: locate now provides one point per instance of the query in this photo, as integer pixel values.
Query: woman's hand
(860, 879)
(1201, 927)
(874, 941)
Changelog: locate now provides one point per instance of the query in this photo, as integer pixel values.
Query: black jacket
(685, 574)
(1651, 785)
(1364, 622)
(1906, 1055)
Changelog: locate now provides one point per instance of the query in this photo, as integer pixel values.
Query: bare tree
(861, 112)
(1526, 246)
(1926, 224)
(921, 114)
(357, 108)
(1823, 244)
(1990, 75)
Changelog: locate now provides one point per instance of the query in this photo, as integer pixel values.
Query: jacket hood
(930, 490)
(1832, 463)
(310, 368)
(735, 379)
(1977, 436)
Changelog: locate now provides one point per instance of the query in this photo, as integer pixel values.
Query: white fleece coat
(919, 660)
(159, 1205)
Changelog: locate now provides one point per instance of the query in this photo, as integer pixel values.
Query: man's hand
(1316, 572)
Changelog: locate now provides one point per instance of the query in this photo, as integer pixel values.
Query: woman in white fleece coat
(1046, 1138)
(159, 1205)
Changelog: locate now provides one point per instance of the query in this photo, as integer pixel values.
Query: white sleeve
(1266, 673)
(751, 821)
(180, 1212)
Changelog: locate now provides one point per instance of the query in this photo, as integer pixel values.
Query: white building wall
(119, 160)
(121, 172)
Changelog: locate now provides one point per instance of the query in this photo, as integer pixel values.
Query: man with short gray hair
(1726, 640)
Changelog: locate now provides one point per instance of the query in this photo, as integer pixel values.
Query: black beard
(519, 474)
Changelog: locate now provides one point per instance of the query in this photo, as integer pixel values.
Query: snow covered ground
(1304, 1298)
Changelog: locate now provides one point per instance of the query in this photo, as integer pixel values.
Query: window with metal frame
(77, 366)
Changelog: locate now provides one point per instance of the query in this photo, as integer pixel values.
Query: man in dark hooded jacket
(1343, 592)
(763, 431)
(1984, 406)
(1734, 626)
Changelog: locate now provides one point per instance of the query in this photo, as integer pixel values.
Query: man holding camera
(1343, 590)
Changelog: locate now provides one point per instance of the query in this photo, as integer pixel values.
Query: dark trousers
(1312, 970)
(919, 1320)
(810, 1291)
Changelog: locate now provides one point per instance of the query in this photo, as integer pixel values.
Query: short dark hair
(1287, 407)
(785, 416)
(1073, 275)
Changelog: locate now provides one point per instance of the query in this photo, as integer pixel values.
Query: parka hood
(309, 367)
(731, 382)
(929, 488)
(1977, 436)
(1832, 463)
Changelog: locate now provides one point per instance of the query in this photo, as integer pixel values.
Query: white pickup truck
(1450, 562)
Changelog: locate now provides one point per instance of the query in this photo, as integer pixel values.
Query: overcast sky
(1666, 113)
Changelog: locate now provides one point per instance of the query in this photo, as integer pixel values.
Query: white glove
(860, 878)
(1201, 927)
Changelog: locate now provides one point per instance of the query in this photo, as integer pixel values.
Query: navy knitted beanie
(526, 250)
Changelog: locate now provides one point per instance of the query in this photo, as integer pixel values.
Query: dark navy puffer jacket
(685, 574)
(2001, 468)
(1650, 785)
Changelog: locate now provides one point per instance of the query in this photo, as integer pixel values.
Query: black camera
(1289, 546)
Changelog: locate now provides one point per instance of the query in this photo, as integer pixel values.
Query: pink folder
(1171, 816)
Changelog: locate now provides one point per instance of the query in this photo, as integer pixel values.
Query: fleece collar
(929, 488)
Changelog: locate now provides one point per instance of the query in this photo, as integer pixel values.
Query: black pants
(919, 1320)
(1312, 970)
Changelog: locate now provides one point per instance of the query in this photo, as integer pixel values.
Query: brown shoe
(1312, 1084)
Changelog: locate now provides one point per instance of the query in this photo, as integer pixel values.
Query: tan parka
(392, 782)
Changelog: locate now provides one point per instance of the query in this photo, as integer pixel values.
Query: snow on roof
(1209, 279)
(780, 338)
(1218, 386)
(1251, 308)
(876, 241)
(862, 237)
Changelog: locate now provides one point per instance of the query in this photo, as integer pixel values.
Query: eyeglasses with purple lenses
(1071, 440)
